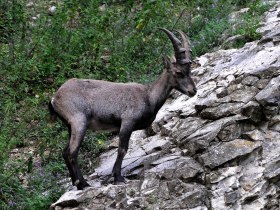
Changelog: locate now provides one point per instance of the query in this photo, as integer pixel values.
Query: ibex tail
(53, 114)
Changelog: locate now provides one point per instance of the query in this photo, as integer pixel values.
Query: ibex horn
(186, 45)
(180, 54)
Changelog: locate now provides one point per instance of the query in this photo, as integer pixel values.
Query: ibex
(123, 107)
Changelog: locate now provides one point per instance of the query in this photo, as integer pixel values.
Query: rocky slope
(218, 150)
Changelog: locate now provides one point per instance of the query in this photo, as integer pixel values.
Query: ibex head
(179, 66)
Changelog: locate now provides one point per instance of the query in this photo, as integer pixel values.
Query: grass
(118, 43)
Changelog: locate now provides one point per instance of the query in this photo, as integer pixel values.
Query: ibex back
(100, 105)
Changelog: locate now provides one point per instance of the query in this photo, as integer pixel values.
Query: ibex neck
(159, 91)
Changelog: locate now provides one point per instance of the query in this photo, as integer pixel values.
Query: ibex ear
(167, 63)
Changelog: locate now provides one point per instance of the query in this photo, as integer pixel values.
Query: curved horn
(186, 44)
(179, 51)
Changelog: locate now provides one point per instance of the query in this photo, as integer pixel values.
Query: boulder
(228, 151)
(270, 95)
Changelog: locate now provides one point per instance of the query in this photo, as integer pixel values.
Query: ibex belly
(99, 126)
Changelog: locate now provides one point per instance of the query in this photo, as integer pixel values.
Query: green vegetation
(110, 40)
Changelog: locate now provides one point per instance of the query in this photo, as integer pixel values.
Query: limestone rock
(181, 167)
(228, 151)
(270, 95)
(253, 111)
(272, 170)
(220, 111)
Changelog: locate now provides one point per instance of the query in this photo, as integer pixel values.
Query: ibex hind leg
(66, 155)
(77, 129)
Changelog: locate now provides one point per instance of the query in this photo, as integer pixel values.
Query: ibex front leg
(125, 133)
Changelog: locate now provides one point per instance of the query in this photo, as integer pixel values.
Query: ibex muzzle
(124, 107)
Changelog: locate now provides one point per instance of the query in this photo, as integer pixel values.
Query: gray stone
(137, 156)
(186, 127)
(168, 128)
(244, 95)
(271, 147)
(253, 111)
(230, 132)
(187, 195)
(270, 95)
(181, 168)
(274, 120)
(107, 161)
(231, 197)
(270, 37)
(221, 92)
(274, 123)
(206, 102)
(222, 173)
(52, 10)
(156, 143)
(200, 139)
(228, 151)
(270, 111)
(272, 170)
(262, 83)
(73, 198)
(199, 208)
(250, 80)
(255, 135)
(220, 111)
(165, 159)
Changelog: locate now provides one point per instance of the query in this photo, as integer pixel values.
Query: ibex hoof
(120, 181)
(81, 185)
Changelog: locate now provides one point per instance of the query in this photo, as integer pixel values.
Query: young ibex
(102, 105)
